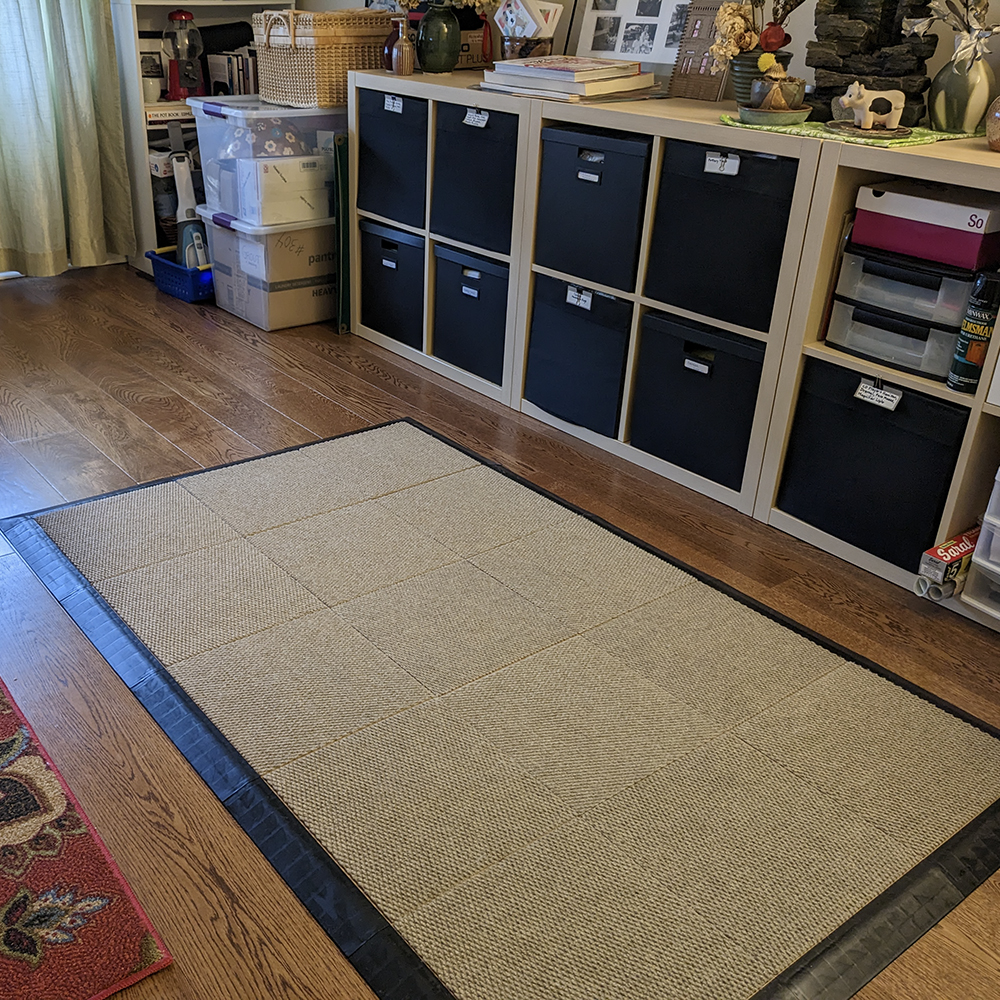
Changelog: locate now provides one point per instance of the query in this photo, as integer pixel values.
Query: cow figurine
(883, 107)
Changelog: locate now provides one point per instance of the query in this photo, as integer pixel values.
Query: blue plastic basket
(192, 284)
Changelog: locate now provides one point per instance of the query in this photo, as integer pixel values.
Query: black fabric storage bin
(392, 156)
(470, 312)
(392, 283)
(472, 199)
(717, 239)
(576, 356)
(591, 198)
(872, 477)
(695, 396)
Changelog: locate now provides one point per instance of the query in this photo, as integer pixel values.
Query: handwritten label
(394, 103)
(386, 262)
(289, 243)
(887, 397)
(722, 163)
(252, 258)
(585, 175)
(473, 293)
(473, 116)
(579, 296)
(697, 366)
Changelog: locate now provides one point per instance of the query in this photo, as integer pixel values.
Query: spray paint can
(974, 337)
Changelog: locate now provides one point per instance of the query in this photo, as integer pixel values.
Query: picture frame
(647, 30)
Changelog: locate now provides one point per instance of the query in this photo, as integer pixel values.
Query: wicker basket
(303, 57)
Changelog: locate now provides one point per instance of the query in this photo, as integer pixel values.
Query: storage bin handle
(273, 17)
(891, 324)
(920, 279)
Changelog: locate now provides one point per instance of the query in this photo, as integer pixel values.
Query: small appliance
(182, 46)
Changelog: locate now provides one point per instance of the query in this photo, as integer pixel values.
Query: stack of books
(570, 78)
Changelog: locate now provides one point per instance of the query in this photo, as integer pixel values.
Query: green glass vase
(439, 39)
(959, 96)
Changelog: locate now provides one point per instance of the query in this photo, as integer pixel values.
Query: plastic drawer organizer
(982, 587)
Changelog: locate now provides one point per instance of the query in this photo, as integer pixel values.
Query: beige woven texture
(559, 765)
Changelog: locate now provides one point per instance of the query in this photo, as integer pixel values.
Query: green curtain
(64, 187)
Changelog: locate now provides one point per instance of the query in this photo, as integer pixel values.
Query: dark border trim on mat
(834, 970)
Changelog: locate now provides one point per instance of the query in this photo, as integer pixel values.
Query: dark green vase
(439, 40)
(743, 71)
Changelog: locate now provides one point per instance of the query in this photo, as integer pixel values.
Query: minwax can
(974, 337)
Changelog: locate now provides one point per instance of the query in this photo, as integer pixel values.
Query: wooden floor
(104, 382)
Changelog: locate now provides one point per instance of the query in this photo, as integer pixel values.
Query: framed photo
(647, 30)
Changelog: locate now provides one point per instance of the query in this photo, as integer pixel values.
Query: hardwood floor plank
(235, 930)
(22, 486)
(75, 465)
(213, 385)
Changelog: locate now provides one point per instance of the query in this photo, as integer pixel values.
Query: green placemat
(818, 130)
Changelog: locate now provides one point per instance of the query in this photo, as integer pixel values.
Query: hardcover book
(573, 68)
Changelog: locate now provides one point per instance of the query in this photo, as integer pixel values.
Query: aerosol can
(191, 249)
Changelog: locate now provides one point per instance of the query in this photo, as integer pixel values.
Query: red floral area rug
(70, 926)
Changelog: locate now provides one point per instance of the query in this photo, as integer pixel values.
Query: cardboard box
(272, 192)
(950, 560)
(955, 226)
(273, 277)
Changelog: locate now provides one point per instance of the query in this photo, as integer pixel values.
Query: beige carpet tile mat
(559, 765)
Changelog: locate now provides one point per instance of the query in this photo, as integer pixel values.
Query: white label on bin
(585, 175)
(579, 296)
(473, 116)
(722, 163)
(394, 103)
(473, 293)
(388, 263)
(252, 258)
(697, 366)
(878, 395)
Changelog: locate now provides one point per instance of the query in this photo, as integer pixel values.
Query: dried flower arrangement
(967, 18)
(739, 28)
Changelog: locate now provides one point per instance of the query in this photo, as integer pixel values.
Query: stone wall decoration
(863, 40)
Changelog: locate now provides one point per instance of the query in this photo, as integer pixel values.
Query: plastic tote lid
(231, 222)
(245, 108)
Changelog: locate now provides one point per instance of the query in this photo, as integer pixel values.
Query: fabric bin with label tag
(591, 199)
(894, 340)
(873, 477)
(475, 160)
(719, 231)
(392, 283)
(273, 276)
(695, 396)
(470, 312)
(392, 156)
(577, 348)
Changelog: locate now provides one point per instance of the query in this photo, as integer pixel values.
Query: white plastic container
(993, 508)
(982, 588)
(899, 341)
(988, 545)
(903, 285)
(273, 276)
(232, 129)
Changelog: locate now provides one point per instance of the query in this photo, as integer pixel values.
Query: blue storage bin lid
(704, 336)
(496, 267)
(388, 233)
(606, 140)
